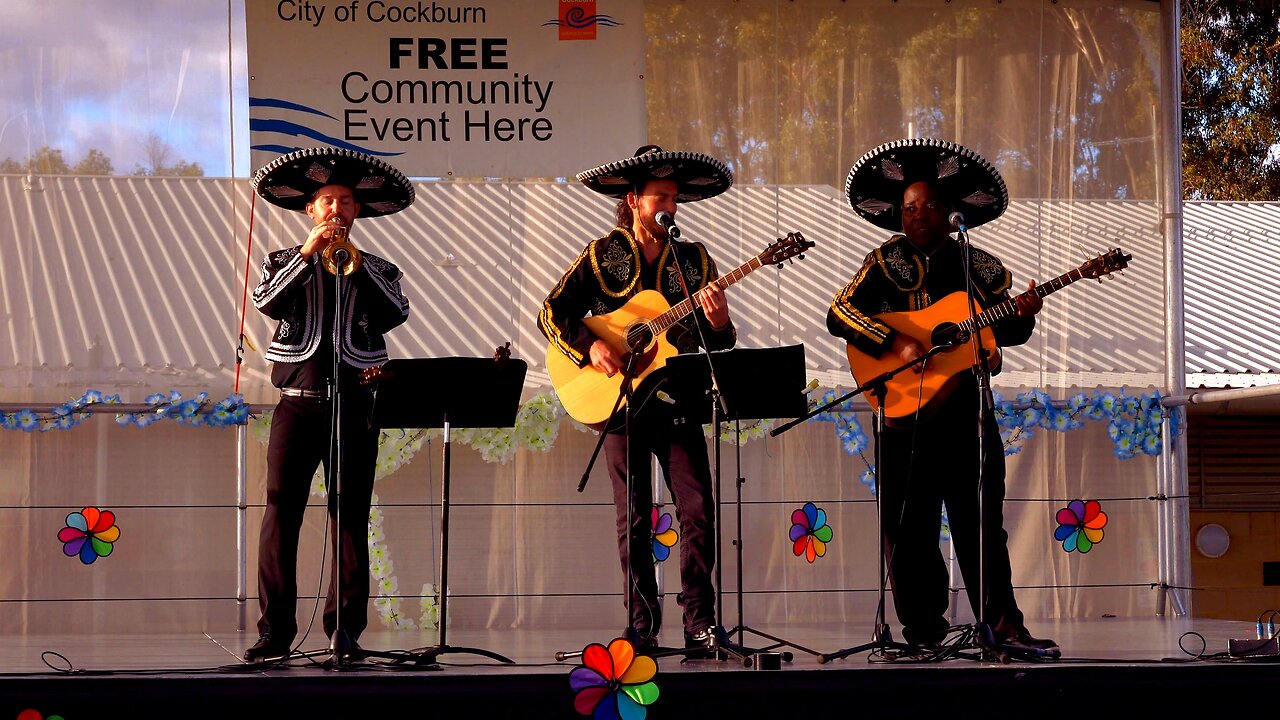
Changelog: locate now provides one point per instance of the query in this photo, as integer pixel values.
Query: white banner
(490, 88)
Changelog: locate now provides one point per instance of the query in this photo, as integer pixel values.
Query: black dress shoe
(346, 648)
(927, 647)
(705, 641)
(643, 642)
(266, 649)
(1022, 643)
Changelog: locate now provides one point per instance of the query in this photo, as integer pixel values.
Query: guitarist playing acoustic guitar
(912, 188)
(638, 255)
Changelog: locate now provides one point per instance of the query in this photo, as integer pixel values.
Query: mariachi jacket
(292, 291)
(899, 277)
(611, 271)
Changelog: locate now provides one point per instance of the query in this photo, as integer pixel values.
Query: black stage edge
(955, 689)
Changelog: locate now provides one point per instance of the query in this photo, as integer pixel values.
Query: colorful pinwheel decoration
(1080, 525)
(614, 683)
(33, 714)
(810, 532)
(89, 534)
(664, 536)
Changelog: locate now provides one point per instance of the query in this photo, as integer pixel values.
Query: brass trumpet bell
(329, 255)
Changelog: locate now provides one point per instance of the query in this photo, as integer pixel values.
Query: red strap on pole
(244, 298)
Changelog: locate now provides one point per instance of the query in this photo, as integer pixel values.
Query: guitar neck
(678, 311)
(1010, 307)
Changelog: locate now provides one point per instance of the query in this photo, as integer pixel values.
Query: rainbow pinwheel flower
(33, 714)
(613, 683)
(1080, 525)
(810, 532)
(664, 536)
(89, 534)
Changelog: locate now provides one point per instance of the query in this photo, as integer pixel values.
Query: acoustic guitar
(640, 328)
(947, 323)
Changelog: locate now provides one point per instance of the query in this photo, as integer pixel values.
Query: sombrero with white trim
(697, 176)
(878, 180)
(291, 180)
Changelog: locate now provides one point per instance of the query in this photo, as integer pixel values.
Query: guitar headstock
(1103, 265)
(502, 353)
(784, 249)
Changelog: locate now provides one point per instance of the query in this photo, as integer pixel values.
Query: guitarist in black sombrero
(922, 190)
(635, 256)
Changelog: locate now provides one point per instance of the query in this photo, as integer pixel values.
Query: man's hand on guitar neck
(604, 358)
(713, 302)
(1029, 303)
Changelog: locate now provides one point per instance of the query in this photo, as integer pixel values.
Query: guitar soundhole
(638, 337)
(947, 334)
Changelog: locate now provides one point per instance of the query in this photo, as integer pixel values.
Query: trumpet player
(316, 348)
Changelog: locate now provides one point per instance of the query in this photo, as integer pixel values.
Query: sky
(108, 74)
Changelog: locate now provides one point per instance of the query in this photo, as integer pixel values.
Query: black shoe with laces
(266, 648)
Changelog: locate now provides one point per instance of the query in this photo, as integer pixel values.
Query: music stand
(755, 384)
(467, 392)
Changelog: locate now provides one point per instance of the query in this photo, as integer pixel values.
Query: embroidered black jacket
(899, 277)
(610, 271)
(292, 291)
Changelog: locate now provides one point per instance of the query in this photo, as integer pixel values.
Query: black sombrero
(291, 180)
(697, 176)
(878, 180)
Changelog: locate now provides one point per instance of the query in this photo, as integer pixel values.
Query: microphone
(665, 220)
(957, 221)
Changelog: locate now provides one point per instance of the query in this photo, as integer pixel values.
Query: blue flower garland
(1133, 422)
(194, 412)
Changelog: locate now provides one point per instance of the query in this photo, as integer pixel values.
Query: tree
(1230, 99)
(45, 161)
(94, 162)
(158, 152)
(795, 93)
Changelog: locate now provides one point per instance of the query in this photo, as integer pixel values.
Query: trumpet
(340, 242)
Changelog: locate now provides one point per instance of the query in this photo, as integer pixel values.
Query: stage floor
(1160, 662)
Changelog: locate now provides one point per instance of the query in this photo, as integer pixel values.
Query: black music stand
(468, 392)
(755, 384)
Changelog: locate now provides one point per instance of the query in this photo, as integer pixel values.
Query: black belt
(304, 393)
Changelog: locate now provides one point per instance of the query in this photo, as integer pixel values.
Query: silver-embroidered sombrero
(291, 180)
(878, 180)
(697, 176)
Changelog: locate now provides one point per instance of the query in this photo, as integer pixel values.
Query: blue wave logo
(578, 19)
(280, 125)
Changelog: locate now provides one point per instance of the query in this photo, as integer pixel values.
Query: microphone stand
(723, 647)
(339, 645)
(881, 637)
(984, 638)
(624, 396)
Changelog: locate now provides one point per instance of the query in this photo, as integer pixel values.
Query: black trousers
(920, 469)
(300, 442)
(681, 451)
